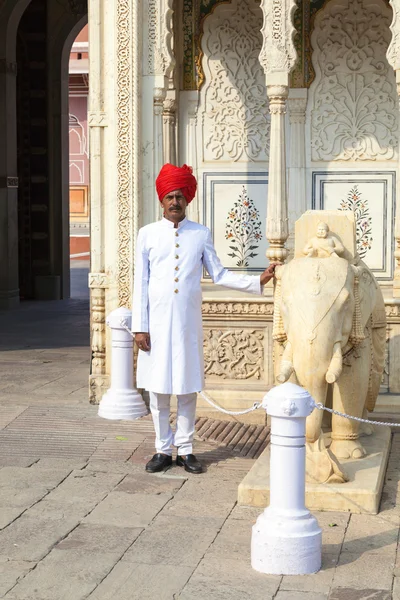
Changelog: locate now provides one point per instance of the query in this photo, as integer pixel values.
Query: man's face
(322, 231)
(174, 205)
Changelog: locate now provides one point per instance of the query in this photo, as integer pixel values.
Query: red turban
(173, 178)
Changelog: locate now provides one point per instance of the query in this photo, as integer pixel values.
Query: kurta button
(176, 268)
(176, 234)
(176, 256)
(176, 245)
(176, 291)
(176, 279)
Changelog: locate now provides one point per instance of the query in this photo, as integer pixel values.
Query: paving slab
(234, 540)
(133, 510)
(85, 485)
(285, 595)
(320, 582)
(63, 576)
(366, 594)
(368, 571)
(226, 579)
(191, 539)
(144, 483)
(88, 540)
(11, 571)
(139, 581)
(30, 539)
(375, 536)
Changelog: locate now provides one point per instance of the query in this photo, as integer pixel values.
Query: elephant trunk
(336, 364)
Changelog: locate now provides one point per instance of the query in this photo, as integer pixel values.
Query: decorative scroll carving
(237, 308)
(124, 193)
(98, 280)
(97, 119)
(278, 53)
(393, 52)
(98, 381)
(236, 119)
(355, 113)
(160, 59)
(235, 354)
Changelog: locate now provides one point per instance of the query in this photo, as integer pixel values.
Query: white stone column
(169, 122)
(122, 400)
(286, 539)
(297, 200)
(277, 212)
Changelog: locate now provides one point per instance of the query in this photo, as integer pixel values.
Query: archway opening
(79, 210)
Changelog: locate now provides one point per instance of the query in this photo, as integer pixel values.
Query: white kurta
(167, 303)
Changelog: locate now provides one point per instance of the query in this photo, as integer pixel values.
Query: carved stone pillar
(277, 212)
(169, 122)
(393, 56)
(191, 150)
(277, 57)
(297, 201)
(158, 108)
(97, 118)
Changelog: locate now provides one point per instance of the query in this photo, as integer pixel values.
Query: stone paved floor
(79, 518)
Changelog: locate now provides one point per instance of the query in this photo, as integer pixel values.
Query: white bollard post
(122, 400)
(286, 539)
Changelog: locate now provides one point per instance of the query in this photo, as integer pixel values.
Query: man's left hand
(268, 273)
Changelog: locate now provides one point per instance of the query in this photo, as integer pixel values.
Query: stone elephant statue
(330, 320)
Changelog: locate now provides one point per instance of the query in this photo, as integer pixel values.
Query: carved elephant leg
(286, 366)
(314, 421)
(349, 394)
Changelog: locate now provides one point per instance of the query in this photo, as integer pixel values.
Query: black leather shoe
(159, 462)
(190, 462)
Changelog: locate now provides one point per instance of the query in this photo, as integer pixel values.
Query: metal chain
(320, 406)
(258, 405)
(207, 398)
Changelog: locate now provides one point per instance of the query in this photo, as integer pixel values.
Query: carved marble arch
(353, 99)
(235, 122)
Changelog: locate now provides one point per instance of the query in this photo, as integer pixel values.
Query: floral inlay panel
(243, 230)
(355, 110)
(359, 206)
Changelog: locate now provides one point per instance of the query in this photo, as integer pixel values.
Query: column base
(284, 544)
(126, 405)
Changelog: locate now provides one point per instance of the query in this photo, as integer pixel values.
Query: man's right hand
(143, 341)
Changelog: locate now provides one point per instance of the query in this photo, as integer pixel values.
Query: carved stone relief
(234, 99)
(354, 102)
(234, 354)
(278, 52)
(160, 58)
(240, 309)
(354, 111)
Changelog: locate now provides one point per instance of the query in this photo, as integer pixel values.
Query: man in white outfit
(166, 315)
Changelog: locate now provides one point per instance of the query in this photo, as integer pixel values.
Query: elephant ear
(278, 330)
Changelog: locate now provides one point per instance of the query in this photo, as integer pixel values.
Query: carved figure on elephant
(325, 321)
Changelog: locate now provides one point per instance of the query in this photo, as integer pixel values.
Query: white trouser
(165, 439)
